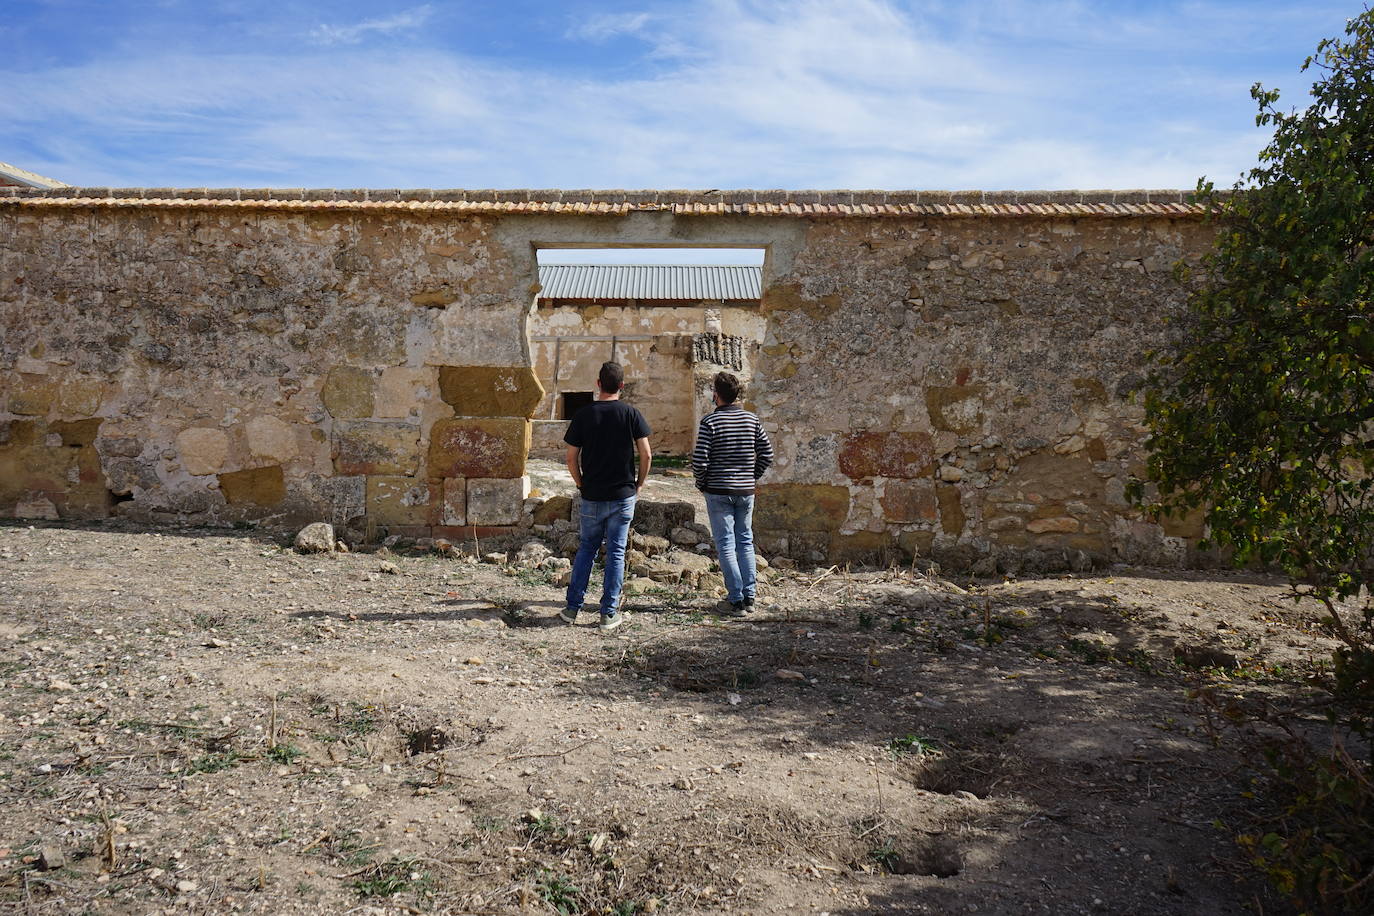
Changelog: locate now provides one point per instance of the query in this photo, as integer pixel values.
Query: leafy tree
(1263, 414)
(1262, 417)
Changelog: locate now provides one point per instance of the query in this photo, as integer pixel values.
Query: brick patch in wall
(479, 447)
(884, 454)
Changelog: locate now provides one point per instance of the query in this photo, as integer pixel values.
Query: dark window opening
(573, 401)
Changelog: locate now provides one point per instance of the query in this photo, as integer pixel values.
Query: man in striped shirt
(731, 453)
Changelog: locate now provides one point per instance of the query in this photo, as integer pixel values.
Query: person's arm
(763, 452)
(646, 458)
(574, 466)
(701, 454)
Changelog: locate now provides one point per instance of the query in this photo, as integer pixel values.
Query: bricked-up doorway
(672, 317)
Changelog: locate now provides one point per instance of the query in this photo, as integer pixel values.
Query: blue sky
(689, 93)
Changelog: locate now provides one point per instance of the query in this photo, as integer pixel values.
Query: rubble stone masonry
(942, 375)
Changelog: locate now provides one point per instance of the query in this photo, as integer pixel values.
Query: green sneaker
(611, 622)
(730, 609)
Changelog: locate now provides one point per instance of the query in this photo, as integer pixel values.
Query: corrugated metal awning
(650, 281)
(13, 174)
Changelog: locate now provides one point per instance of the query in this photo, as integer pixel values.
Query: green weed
(285, 753)
(886, 855)
(559, 893)
(213, 763)
(385, 879)
(361, 719)
(488, 823)
(910, 746)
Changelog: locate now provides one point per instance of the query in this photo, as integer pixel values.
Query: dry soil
(208, 722)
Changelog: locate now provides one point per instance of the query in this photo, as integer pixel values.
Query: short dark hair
(727, 386)
(611, 377)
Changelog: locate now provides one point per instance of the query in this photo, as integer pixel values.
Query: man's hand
(646, 457)
(574, 466)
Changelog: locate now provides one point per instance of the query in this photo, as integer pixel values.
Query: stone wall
(962, 389)
(942, 375)
(219, 366)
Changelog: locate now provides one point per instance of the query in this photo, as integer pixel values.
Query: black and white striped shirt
(732, 451)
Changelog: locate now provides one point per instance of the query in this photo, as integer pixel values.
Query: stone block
(800, 507)
(1088, 391)
(771, 545)
(879, 454)
(490, 391)
(253, 487)
(1098, 545)
(77, 433)
(36, 505)
(784, 297)
(479, 447)
(1058, 525)
(120, 447)
(496, 501)
(1190, 525)
(809, 546)
(910, 501)
(402, 391)
(125, 474)
(434, 298)
(80, 396)
(552, 509)
(86, 501)
(956, 408)
(547, 438)
(952, 518)
(869, 548)
(270, 438)
(400, 501)
(660, 518)
(915, 543)
(376, 447)
(20, 433)
(32, 395)
(202, 449)
(349, 392)
(454, 508)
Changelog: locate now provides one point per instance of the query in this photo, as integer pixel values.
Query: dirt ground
(203, 721)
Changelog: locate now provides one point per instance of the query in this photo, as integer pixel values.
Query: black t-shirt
(606, 432)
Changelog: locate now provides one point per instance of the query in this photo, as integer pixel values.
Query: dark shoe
(730, 609)
(611, 622)
(748, 604)
(569, 614)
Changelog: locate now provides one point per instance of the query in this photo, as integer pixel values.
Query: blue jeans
(607, 521)
(732, 527)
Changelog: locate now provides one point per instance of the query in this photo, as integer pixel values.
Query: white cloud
(735, 93)
(610, 25)
(354, 34)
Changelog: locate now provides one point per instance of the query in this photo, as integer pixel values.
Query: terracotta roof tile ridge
(815, 204)
(649, 198)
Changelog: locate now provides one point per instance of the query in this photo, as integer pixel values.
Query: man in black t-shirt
(602, 439)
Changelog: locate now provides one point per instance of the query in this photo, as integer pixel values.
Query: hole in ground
(937, 855)
(951, 770)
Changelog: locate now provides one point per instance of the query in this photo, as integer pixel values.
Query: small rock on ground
(316, 538)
